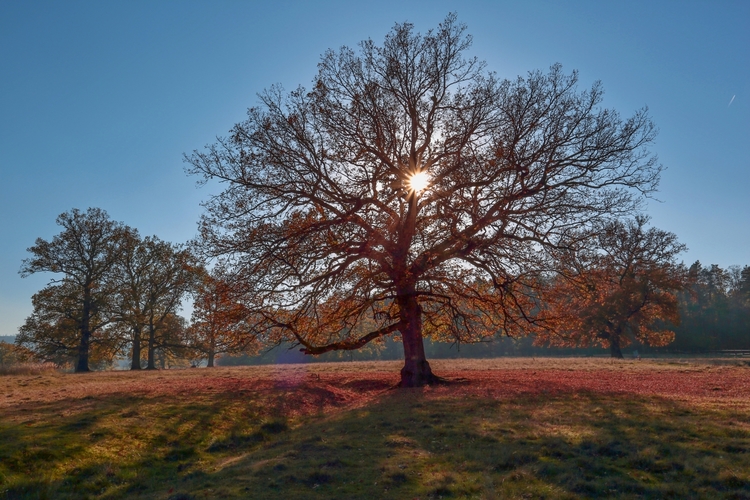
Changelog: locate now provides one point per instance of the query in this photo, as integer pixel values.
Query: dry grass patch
(28, 369)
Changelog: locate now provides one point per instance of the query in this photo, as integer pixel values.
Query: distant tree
(172, 348)
(624, 292)
(743, 285)
(738, 283)
(83, 253)
(218, 324)
(694, 334)
(149, 282)
(412, 190)
(739, 293)
(53, 331)
(715, 309)
(13, 354)
(171, 277)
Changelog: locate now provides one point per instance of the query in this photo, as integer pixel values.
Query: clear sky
(99, 100)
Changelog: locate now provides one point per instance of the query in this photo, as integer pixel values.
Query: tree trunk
(151, 348)
(82, 364)
(416, 371)
(211, 350)
(614, 346)
(135, 359)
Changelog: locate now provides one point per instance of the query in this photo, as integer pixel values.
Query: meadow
(502, 428)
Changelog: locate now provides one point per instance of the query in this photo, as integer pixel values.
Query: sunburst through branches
(419, 182)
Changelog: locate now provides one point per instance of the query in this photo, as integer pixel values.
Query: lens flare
(419, 182)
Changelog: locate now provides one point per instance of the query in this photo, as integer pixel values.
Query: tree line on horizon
(713, 307)
(409, 194)
(120, 297)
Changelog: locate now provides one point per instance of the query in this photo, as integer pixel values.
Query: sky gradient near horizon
(100, 100)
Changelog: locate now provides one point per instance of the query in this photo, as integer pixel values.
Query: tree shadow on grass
(118, 446)
(122, 445)
(409, 445)
(403, 444)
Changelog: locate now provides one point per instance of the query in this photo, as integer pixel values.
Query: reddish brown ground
(304, 389)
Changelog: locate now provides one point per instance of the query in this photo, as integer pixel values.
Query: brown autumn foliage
(52, 333)
(11, 354)
(622, 293)
(84, 252)
(148, 282)
(218, 322)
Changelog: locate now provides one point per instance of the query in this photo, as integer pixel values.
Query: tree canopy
(83, 253)
(114, 290)
(218, 320)
(148, 283)
(623, 290)
(53, 331)
(715, 309)
(332, 246)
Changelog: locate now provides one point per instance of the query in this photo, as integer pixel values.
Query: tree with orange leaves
(219, 320)
(621, 293)
(411, 193)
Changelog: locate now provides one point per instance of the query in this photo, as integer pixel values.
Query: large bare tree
(410, 192)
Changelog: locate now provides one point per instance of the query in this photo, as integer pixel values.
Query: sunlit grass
(27, 369)
(323, 432)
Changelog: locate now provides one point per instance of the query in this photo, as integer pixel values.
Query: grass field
(505, 428)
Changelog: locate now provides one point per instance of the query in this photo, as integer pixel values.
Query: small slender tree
(412, 191)
(170, 278)
(218, 320)
(83, 253)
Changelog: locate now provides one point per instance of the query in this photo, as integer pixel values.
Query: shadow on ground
(403, 444)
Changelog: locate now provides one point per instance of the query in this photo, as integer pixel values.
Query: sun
(419, 182)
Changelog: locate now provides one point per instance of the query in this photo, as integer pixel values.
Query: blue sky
(100, 99)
